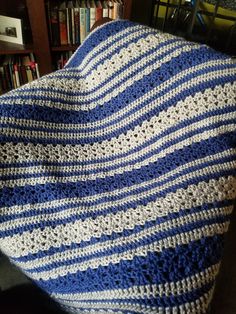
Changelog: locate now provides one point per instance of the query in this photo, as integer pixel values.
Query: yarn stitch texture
(118, 173)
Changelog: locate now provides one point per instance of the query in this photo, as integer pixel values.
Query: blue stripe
(126, 154)
(51, 191)
(163, 301)
(118, 249)
(89, 140)
(95, 88)
(180, 125)
(77, 216)
(228, 138)
(170, 265)
(54, 98)
(96, 38)
(126, 232)
(65, 116)
(81, 310)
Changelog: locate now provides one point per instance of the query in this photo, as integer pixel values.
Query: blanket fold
(117, 173)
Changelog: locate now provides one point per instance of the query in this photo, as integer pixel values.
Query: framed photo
(11, 30)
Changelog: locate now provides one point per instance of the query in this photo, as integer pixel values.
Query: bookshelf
(65, 48)
(17, 62)
(9, 48)
(40, 34)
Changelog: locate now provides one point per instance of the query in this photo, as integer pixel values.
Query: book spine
(23, 74)
(68, 25)
(98, 15)
(110, 9)
(115, 10)
(77, 25)
(63, 27)
(17, 77)
(73, 25)
(105, 12)
(29, 73)
(37, 70)
(120, 10)
(87, 21)
(8, 76)
(92, 17)
(3, 80)
(55, 28)
(2, 90)
(47, 5)
(82, 24)
(33, 70)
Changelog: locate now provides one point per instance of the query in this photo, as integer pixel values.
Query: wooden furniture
(38, 22)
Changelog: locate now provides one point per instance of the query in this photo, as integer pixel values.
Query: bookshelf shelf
(65, 48)
(10, 48)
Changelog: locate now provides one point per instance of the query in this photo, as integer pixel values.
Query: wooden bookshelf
(65, 48)
(10, 48)
(40, 33)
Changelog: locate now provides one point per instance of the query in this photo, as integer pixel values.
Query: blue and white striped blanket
(118, 173)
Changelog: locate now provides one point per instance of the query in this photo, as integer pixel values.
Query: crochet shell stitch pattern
(118, 173)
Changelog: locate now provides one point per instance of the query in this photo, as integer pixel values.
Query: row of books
(60, 59)
(16, 70)
(70, 21)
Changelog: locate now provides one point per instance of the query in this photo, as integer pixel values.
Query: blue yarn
(117, 173)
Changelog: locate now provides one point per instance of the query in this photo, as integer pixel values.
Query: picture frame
(11, 30)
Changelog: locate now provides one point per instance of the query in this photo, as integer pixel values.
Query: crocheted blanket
(118, 173)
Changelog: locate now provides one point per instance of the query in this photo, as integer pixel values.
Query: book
(16, 70)
(92, 7)
(110, 9)
(48, 12)
(7, 71)
(98, 13)
(82, 10)
(24, 79)
(71, 22)
(16, 73)
(77, 22)
(62, 16)
(115, 9)
(87, 18)
(120, 9)
(105, 12)
(54, 21)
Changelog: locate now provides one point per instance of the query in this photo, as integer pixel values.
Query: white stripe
(154, 157)
(137, 292)
(104, 71)
(105, 197)
(185, 86)
(32, 241)
(52, 214)
(108, 96)
(155, 246)
(111, 44)
(199, 306)
(161, 122)
(123, 240)
(71, 310)
(110, 145)
(51, 153)
(193, 101)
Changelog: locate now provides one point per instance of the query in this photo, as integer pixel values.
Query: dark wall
(141, 11)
